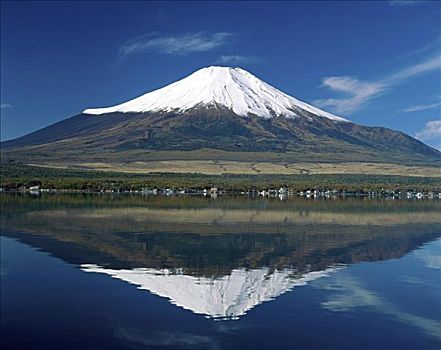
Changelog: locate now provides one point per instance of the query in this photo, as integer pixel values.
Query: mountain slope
(222, 113)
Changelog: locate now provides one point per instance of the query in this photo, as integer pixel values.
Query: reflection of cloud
(431, 255)
(165, 339)
(231, 327)
(432, 261)
(419, 281)
(351, 294)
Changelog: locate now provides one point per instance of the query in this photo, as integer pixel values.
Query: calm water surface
(133, 272)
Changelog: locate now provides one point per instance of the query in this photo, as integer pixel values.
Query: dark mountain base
(213, 134)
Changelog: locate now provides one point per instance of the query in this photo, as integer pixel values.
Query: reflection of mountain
(222, 257)
(206, 237)
(225, 297)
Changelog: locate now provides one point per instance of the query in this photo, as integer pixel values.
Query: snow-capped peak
(232, 88)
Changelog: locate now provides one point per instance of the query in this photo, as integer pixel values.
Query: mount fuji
(216, 113)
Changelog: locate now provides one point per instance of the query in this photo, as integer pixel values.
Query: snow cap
(232, 88)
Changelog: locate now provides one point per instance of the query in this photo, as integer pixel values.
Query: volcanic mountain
(214, 114)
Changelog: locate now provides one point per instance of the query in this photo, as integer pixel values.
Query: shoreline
(251, 194)
(31, 178)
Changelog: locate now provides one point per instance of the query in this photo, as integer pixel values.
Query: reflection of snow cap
(226, 297)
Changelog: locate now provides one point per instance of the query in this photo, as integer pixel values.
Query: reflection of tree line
(14, 203)
(231, 220)
(133, 239)
(219, 254)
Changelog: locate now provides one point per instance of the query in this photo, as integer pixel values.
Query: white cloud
(421, 107)
(237, 59)
(431, 134)
(419, 68)
(174, 45)
(5, 105)
(358, 91)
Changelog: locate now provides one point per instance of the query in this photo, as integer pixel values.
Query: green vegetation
(14, 177)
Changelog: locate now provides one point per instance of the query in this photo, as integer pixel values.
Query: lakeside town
(213, 192)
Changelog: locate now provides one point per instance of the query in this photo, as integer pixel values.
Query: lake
(135, 272)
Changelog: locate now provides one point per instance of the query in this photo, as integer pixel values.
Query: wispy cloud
(419, 68)
(174, 45)
(237, 59)
(418, 108)
(406, 2)
(5, 105)
(359, 92)
(431, 46)
(431, 134)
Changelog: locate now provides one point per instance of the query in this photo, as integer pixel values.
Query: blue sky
(375, 63)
